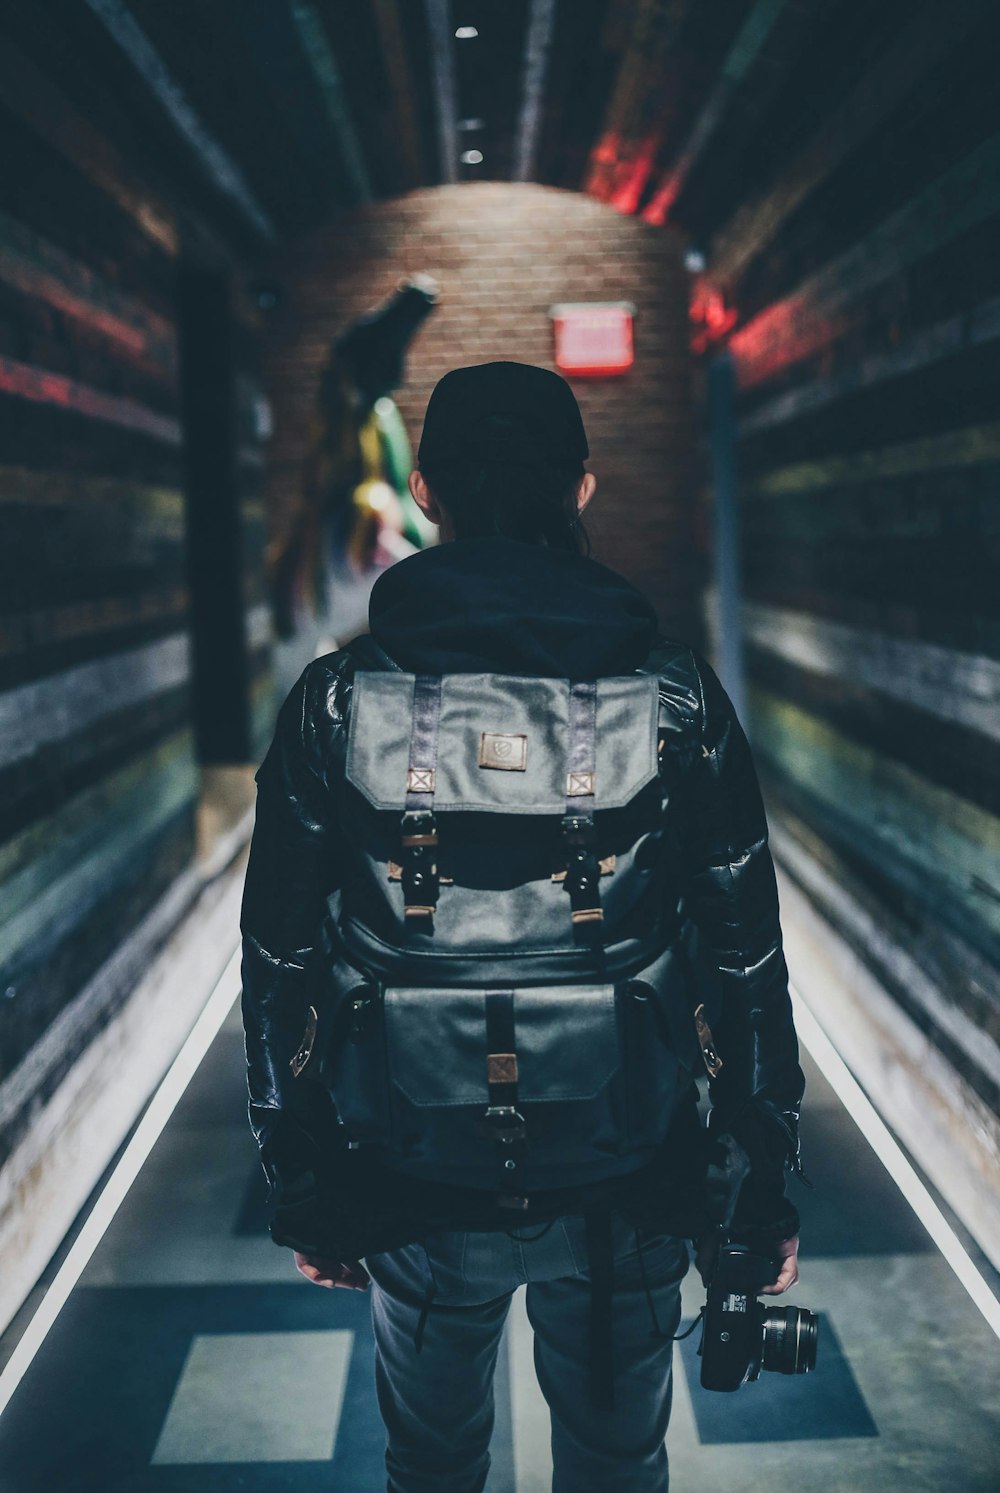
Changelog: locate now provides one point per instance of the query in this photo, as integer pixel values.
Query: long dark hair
(500, 493)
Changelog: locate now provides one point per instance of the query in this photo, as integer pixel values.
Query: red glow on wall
(711, 317)
(594, 340)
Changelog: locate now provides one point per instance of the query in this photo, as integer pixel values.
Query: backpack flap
(501, 741)
(423, 1085)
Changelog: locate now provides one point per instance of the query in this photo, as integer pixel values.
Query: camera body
(739, 1335)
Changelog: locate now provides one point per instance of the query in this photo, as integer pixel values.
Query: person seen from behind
(509, 896)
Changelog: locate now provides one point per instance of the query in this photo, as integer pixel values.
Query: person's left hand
(347, 1273)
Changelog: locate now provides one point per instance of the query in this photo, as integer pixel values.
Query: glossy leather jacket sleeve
(294, 866)
(732, 898)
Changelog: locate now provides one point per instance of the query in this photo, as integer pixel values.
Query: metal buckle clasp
(504, 1123)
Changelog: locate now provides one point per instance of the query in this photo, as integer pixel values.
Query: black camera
(739, 1335)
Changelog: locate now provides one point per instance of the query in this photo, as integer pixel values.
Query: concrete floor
(191, 1357)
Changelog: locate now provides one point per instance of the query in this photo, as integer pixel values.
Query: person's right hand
(347, 1273)
(788, 1253)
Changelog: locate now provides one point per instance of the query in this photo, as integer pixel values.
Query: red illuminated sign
(594, 338)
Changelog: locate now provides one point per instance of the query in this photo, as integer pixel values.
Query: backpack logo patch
(500, 749)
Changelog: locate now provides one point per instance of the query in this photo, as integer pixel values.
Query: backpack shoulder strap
(367, 654)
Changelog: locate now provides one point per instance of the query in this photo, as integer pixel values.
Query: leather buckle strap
(419, 876)
(583, 873)
(502, 1119)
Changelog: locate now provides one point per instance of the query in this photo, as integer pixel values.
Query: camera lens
(789, 1340)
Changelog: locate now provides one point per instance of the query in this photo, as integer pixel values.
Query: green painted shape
(943, 851)
(53, 893)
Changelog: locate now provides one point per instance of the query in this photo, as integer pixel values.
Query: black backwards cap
(502, 412)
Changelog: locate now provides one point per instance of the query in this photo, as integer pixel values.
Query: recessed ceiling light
(471, 157)
(467, 33)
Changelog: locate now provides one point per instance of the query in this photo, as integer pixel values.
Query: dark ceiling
(278, 115)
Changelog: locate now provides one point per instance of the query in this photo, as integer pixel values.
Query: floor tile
(257, 1397)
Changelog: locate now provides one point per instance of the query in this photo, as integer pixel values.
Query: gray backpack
(510, 992)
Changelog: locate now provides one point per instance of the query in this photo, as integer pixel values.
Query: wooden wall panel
(865, 281)
(99, 773)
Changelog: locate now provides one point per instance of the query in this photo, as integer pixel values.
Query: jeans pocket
(446, 1252)
(642, 1253)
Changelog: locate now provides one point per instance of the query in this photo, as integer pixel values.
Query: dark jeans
(438, 1405)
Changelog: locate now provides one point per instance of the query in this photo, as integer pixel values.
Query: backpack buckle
(419, 875)
(504, 1123)
(419, 828)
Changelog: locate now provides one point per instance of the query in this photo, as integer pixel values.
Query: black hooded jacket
(503, 605)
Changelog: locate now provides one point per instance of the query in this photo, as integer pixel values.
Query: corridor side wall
(867, 358)
(503, 255)
(99, 779)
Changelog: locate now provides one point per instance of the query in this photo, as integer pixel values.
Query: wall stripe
(749, 43)
(42, 386)
(50, 900)
(45, 849)
(46, 111)
(925, 348)
(937, 848)
(959, 687)
(56, 707)
(319, 55)
(148, 63)
(918, 48)
(30, 264)
(976, 445)
(790, 329)
(902, 968)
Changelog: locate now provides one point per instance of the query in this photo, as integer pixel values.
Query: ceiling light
(466, 33)
(471, 157)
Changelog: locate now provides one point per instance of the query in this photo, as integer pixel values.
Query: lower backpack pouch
(591, 1075)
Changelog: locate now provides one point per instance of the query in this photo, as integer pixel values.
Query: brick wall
(503, 254)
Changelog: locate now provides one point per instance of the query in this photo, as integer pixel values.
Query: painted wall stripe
(959, 687)
(32, 265)
(230, 181)
(35, 859)
(942, 851)
(55, 707)
(108, 857)
(319, 55)
(34, 99)
(920, 46)
(865, 930)
(42, 386)
(746, 48)
(923, 349)
(28, 633)
(791, 328)
(974, 445)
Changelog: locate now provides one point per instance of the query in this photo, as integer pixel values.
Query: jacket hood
(509, 606)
